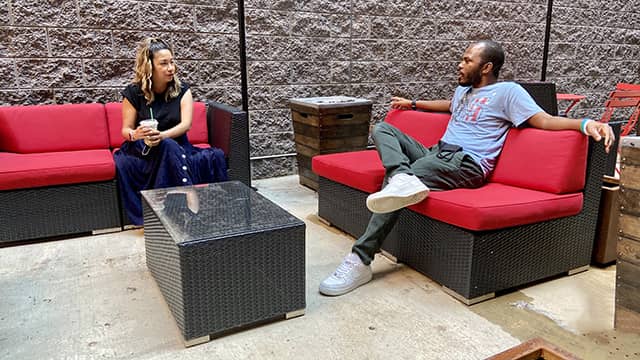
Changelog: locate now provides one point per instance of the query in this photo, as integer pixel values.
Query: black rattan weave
(28, 214)
(239, 261)
(343, 207)
(474, 263)
(544, 94)
(236, 145)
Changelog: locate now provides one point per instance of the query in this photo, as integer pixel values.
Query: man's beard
(473, 79)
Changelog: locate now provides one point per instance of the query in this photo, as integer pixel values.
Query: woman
(163, 157)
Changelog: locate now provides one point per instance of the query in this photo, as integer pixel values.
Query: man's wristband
(132, 135)
(413, 105)
(583, 125)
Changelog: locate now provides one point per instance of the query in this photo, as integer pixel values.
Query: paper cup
(151, 123)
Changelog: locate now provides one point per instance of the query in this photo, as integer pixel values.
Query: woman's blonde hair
(144, 69)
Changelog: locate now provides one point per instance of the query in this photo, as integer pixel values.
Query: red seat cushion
(197, 133)
(361, 170)
(496, 206)
(426, 127)
(46, 128)
(551, 161)
(20, 171)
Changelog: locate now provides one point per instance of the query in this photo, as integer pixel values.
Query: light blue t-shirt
(480, 119)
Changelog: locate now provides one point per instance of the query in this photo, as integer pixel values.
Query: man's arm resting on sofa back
(431, 105)
(595, 129)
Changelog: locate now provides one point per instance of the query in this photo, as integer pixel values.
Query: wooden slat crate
(604, 248)
(627, 312)
(325, 125)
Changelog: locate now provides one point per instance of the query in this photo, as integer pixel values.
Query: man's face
(470, 67)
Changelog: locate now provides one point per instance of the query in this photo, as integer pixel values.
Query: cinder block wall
(69, 51)
(62, 51)
(594, 46)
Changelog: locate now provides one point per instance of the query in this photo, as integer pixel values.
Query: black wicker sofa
(57, 175)
(534, 219)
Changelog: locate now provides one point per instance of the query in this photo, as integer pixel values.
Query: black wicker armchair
(474, 265)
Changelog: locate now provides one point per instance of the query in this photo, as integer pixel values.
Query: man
(482, 111)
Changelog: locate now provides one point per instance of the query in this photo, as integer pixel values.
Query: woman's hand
(152, 137)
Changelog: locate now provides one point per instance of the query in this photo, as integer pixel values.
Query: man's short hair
(492, 52)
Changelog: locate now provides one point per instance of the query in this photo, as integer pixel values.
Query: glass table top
(212, 211)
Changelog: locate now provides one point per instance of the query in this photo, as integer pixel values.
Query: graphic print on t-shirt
(471, 106)
(475, 107)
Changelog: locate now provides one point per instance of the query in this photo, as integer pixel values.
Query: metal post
(243, 58)
(547, 36)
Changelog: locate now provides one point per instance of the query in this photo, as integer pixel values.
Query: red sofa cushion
(114, 122)
(496, 206)
(360, 170)
(551, 161)
(45, 128)
(20, 171)
(363, 170)
(426, 127)
(197, 134)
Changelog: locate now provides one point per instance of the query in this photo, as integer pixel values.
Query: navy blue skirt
(173, 162)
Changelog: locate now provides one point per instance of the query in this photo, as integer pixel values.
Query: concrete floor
(93, 298)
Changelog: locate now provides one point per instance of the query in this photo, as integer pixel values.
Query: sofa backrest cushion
(114, 121)
(197, 134)
(544, 160)
(426, 127)
(46, 128)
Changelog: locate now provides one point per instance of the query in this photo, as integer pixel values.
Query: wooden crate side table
(627, 310)
(604, 247)
(325, 125)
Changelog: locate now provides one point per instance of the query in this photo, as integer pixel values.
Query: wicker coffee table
(224, 257)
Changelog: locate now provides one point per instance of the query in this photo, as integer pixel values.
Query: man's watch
(413, 105)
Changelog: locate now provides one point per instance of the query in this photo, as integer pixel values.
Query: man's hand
(598, 130)
(400, 103)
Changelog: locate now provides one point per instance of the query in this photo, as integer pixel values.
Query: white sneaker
(351, 274)
(401, 191)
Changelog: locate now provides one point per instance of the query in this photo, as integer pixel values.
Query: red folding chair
(624, 96)
(572, 99)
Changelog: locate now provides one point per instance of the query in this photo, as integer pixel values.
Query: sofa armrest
(228, 129)
(596, 166)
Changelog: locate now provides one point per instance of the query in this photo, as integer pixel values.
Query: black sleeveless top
(166, 112)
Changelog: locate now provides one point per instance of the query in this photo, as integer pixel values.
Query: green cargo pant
(402, 154)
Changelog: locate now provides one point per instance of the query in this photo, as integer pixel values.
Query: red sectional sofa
(535, 218)
(57, 174)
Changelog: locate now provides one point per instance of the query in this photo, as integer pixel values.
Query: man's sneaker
(401, 191)
(348, 276)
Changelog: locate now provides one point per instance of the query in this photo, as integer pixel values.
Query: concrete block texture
(69, 51)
